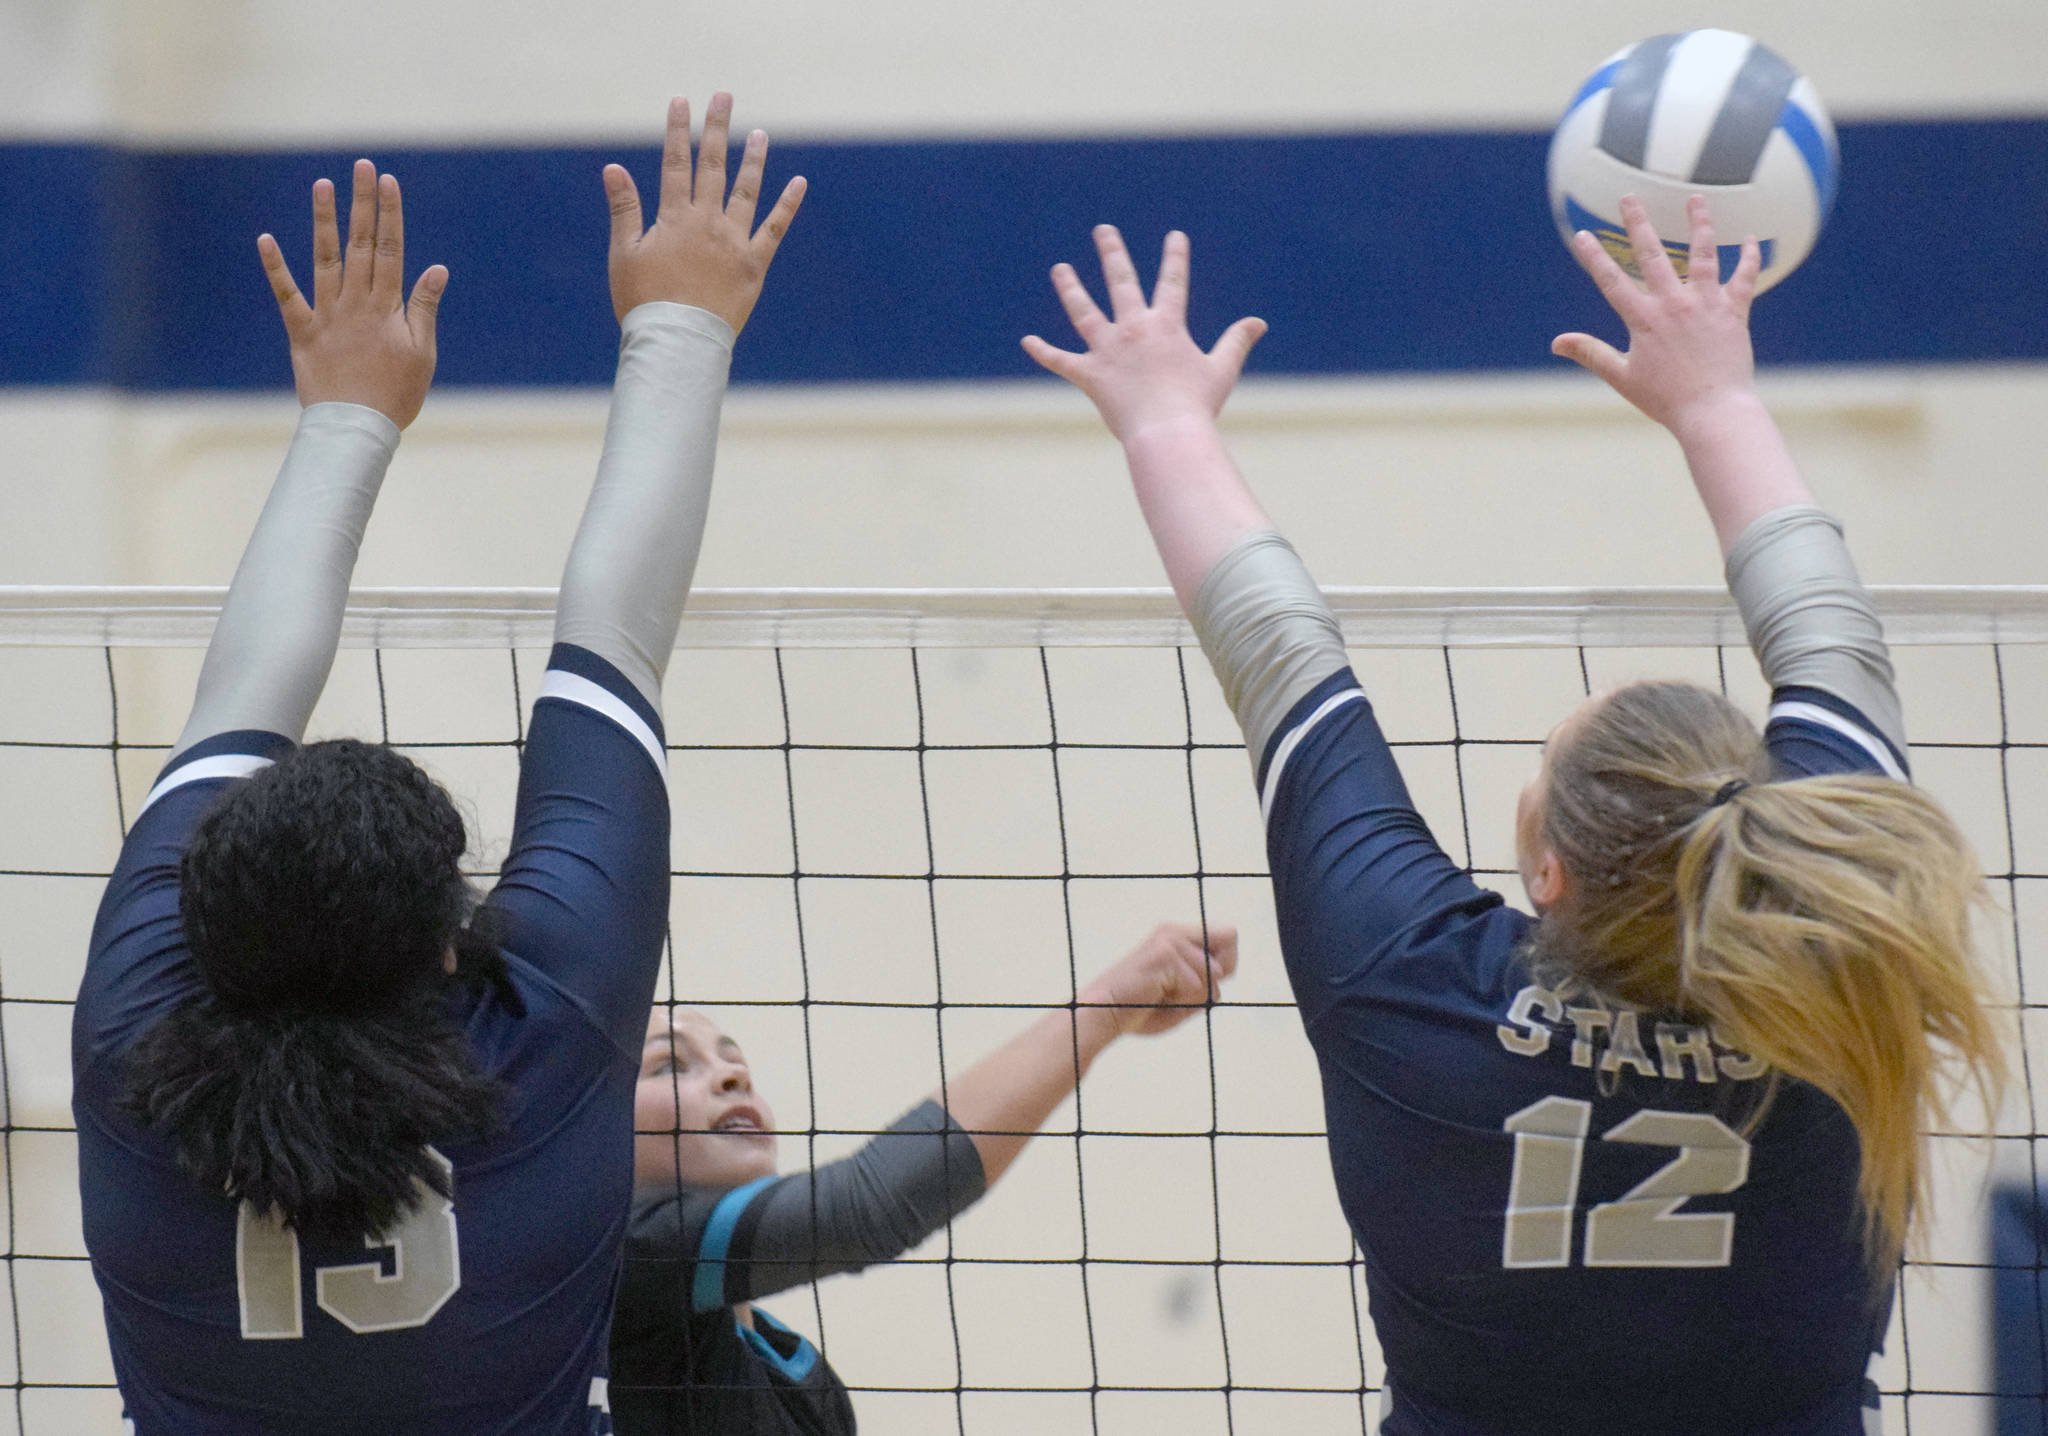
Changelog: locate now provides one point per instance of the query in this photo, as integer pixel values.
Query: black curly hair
(320, 900)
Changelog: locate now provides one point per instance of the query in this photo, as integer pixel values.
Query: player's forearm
(1809, 619)
(1194, 500)
(278, 631)
(1740, 465)
(1261, 620)
(1002, 1100)
(629, 569)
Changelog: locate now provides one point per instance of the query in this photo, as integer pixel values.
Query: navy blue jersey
(484, 1316)
(1568, 1222)
(683, 1363)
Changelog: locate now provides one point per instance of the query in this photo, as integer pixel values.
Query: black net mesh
(887, 861)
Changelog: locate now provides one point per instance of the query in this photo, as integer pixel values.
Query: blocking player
(1644, 1161)
(715, 1230)
(355, 1151)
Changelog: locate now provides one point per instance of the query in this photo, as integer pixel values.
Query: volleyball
(1706, 112)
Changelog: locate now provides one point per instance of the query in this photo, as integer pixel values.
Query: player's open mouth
(743, 1120)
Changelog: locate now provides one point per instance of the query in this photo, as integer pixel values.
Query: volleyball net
(908, 822)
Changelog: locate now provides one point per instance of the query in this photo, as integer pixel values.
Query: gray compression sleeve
(876, 1204)
(1268, 633)
(629, 568)
(274, 644)
(1809, 619)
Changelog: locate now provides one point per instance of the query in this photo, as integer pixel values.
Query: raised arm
(1160, 395)
(1002, 1100)
(1263, 623)
(932, 1163)
(585, 885)
(682, 291)
(362, 358)
(1689, 366)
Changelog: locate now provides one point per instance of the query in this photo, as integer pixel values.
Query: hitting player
(715, 1228)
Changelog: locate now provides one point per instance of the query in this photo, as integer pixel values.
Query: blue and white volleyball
(1707, 112)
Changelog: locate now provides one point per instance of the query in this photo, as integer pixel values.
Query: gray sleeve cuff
(1809, 619)
(661, 313)
(1268, 633)
(335, 417)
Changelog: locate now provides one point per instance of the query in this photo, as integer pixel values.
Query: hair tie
(1728, 790)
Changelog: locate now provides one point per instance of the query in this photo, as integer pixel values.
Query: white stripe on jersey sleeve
(581, 691)
(220, 765)
(1293, 741)
(1862, 737)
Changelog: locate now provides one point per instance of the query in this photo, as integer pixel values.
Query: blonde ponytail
(1821, 925)
(1824, 927)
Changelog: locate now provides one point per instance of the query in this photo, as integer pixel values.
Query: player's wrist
(730, 297)
(385, 388)
(678, 314)
(1716, 416)
(1098, 1020)
(1167, 428)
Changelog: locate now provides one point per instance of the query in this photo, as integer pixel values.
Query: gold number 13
(426, 1269)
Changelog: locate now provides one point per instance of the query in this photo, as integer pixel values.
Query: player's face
(1534, 859)
(698, 1117)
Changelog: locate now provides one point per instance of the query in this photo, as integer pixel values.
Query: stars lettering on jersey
(1611, 1038)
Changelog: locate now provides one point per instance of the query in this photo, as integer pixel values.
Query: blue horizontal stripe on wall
(1372, 252)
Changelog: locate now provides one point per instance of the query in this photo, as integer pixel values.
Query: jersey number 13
(1643, 1228)
(426, 1269)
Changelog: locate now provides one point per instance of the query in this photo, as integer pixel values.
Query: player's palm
(1142, 368)
(1688, 339)
(703, 249)
(360, 341)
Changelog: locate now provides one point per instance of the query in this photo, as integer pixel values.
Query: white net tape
(1008, 618)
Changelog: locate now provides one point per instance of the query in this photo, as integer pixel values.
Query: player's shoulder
(1811, 731)
(137, 967)
(582, 679)
(1431, 995)
(684, 1219)
(197, 772)
(523, 1011)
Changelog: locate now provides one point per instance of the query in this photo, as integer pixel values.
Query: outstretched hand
(703, 249)
(1166, 978)
(1142, 367)
(1688, 338)
(360, 341)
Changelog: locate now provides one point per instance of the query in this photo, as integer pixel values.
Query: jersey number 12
(426, 1269)
(1645, 1227)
